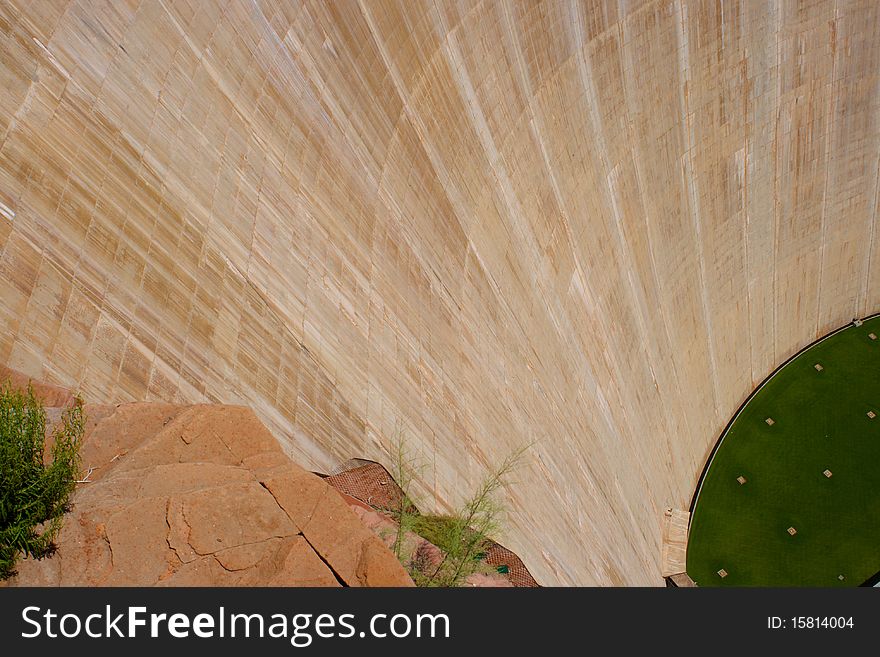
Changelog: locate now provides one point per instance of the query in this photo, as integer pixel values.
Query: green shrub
(463, 547)
(463, 537)
(405, 512)
(34, 494)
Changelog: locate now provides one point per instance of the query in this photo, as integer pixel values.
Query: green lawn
(821, 423)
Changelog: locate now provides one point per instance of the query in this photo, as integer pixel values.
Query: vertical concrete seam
(823, 222)
(746, 214)
(775, 294)
(635, 297)
(538, 127)
(639, 176)
(691, 186)
(869, 260)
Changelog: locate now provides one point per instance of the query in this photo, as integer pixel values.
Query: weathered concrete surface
(595, 225)
(179, 496)
(675, 535)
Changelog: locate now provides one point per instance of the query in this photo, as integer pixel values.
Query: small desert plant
(462, 536)
(34, 494)
(405, 512)
(465, 535)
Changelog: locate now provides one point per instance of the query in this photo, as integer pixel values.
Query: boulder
(202, 496)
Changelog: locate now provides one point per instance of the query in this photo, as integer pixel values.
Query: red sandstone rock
(52, 396)
(201, 496)
(321, 514)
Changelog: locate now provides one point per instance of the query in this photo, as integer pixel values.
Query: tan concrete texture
(593, 225)
(675, 536)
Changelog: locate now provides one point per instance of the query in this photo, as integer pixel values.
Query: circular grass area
(820, 425)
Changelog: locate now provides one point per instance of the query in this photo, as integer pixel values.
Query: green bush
(34, 494)
(462, 536)
(463, 547)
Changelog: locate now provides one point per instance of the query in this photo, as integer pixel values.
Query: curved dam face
(592, 226)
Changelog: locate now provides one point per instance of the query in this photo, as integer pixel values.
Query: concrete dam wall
(589, 226)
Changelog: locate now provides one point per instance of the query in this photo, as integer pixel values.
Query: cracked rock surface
(203, 496)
